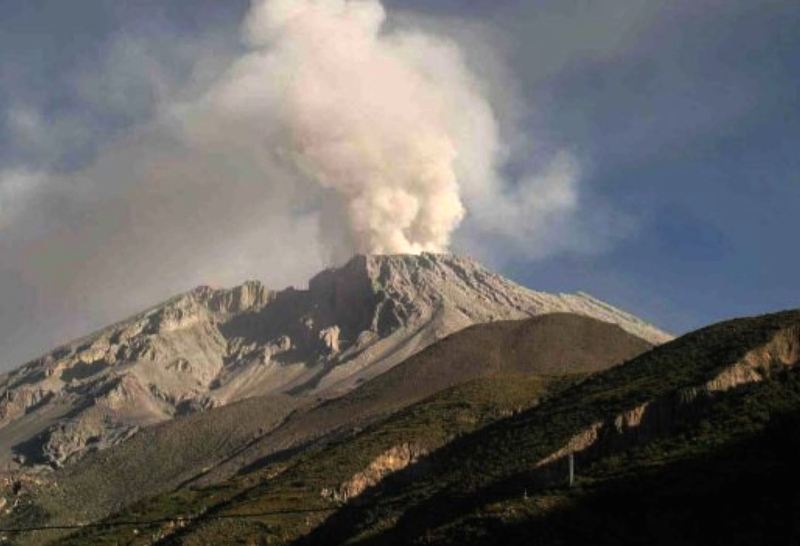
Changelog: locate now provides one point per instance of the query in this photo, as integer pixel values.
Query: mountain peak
(416, 285)
(374, 264)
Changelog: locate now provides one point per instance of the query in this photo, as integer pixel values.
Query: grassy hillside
(729, 478)
(296, 483)
(450, 499)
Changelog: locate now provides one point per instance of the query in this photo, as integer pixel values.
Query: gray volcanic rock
(210, 347)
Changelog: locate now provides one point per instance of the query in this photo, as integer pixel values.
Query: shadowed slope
(655, 399)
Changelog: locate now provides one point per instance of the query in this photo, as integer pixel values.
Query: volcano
(210, 347)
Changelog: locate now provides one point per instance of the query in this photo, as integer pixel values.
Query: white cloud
(331, 134)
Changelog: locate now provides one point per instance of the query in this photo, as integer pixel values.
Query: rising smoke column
(334, 131)
(384, 131)
(361, 112)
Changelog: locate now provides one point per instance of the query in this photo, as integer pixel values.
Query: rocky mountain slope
(208, 348)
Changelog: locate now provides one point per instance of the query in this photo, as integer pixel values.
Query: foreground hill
(209, 348)
(693, 442)
(205, 448)
(664, 444)
(306, 487)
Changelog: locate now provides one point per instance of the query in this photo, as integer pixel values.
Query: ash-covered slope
(210, 347)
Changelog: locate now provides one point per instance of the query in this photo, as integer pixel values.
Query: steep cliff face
(210, 347)
(395, 458)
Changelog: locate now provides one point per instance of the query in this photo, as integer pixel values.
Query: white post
(571, 469)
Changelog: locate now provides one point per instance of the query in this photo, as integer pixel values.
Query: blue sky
(683, 115)
(695, 132)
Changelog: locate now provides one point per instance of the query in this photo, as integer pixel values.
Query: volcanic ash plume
(363, 112)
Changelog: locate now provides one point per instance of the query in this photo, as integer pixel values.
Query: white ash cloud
(335, 131)
(363, 113)
(389, 122)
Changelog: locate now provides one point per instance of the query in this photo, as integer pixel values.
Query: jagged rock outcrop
(395, 458)
(209, 347)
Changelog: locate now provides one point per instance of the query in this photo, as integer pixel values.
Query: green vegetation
(282, 486)
(728, 477)
(471, 474)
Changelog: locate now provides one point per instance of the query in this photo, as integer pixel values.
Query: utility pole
(571, 469)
